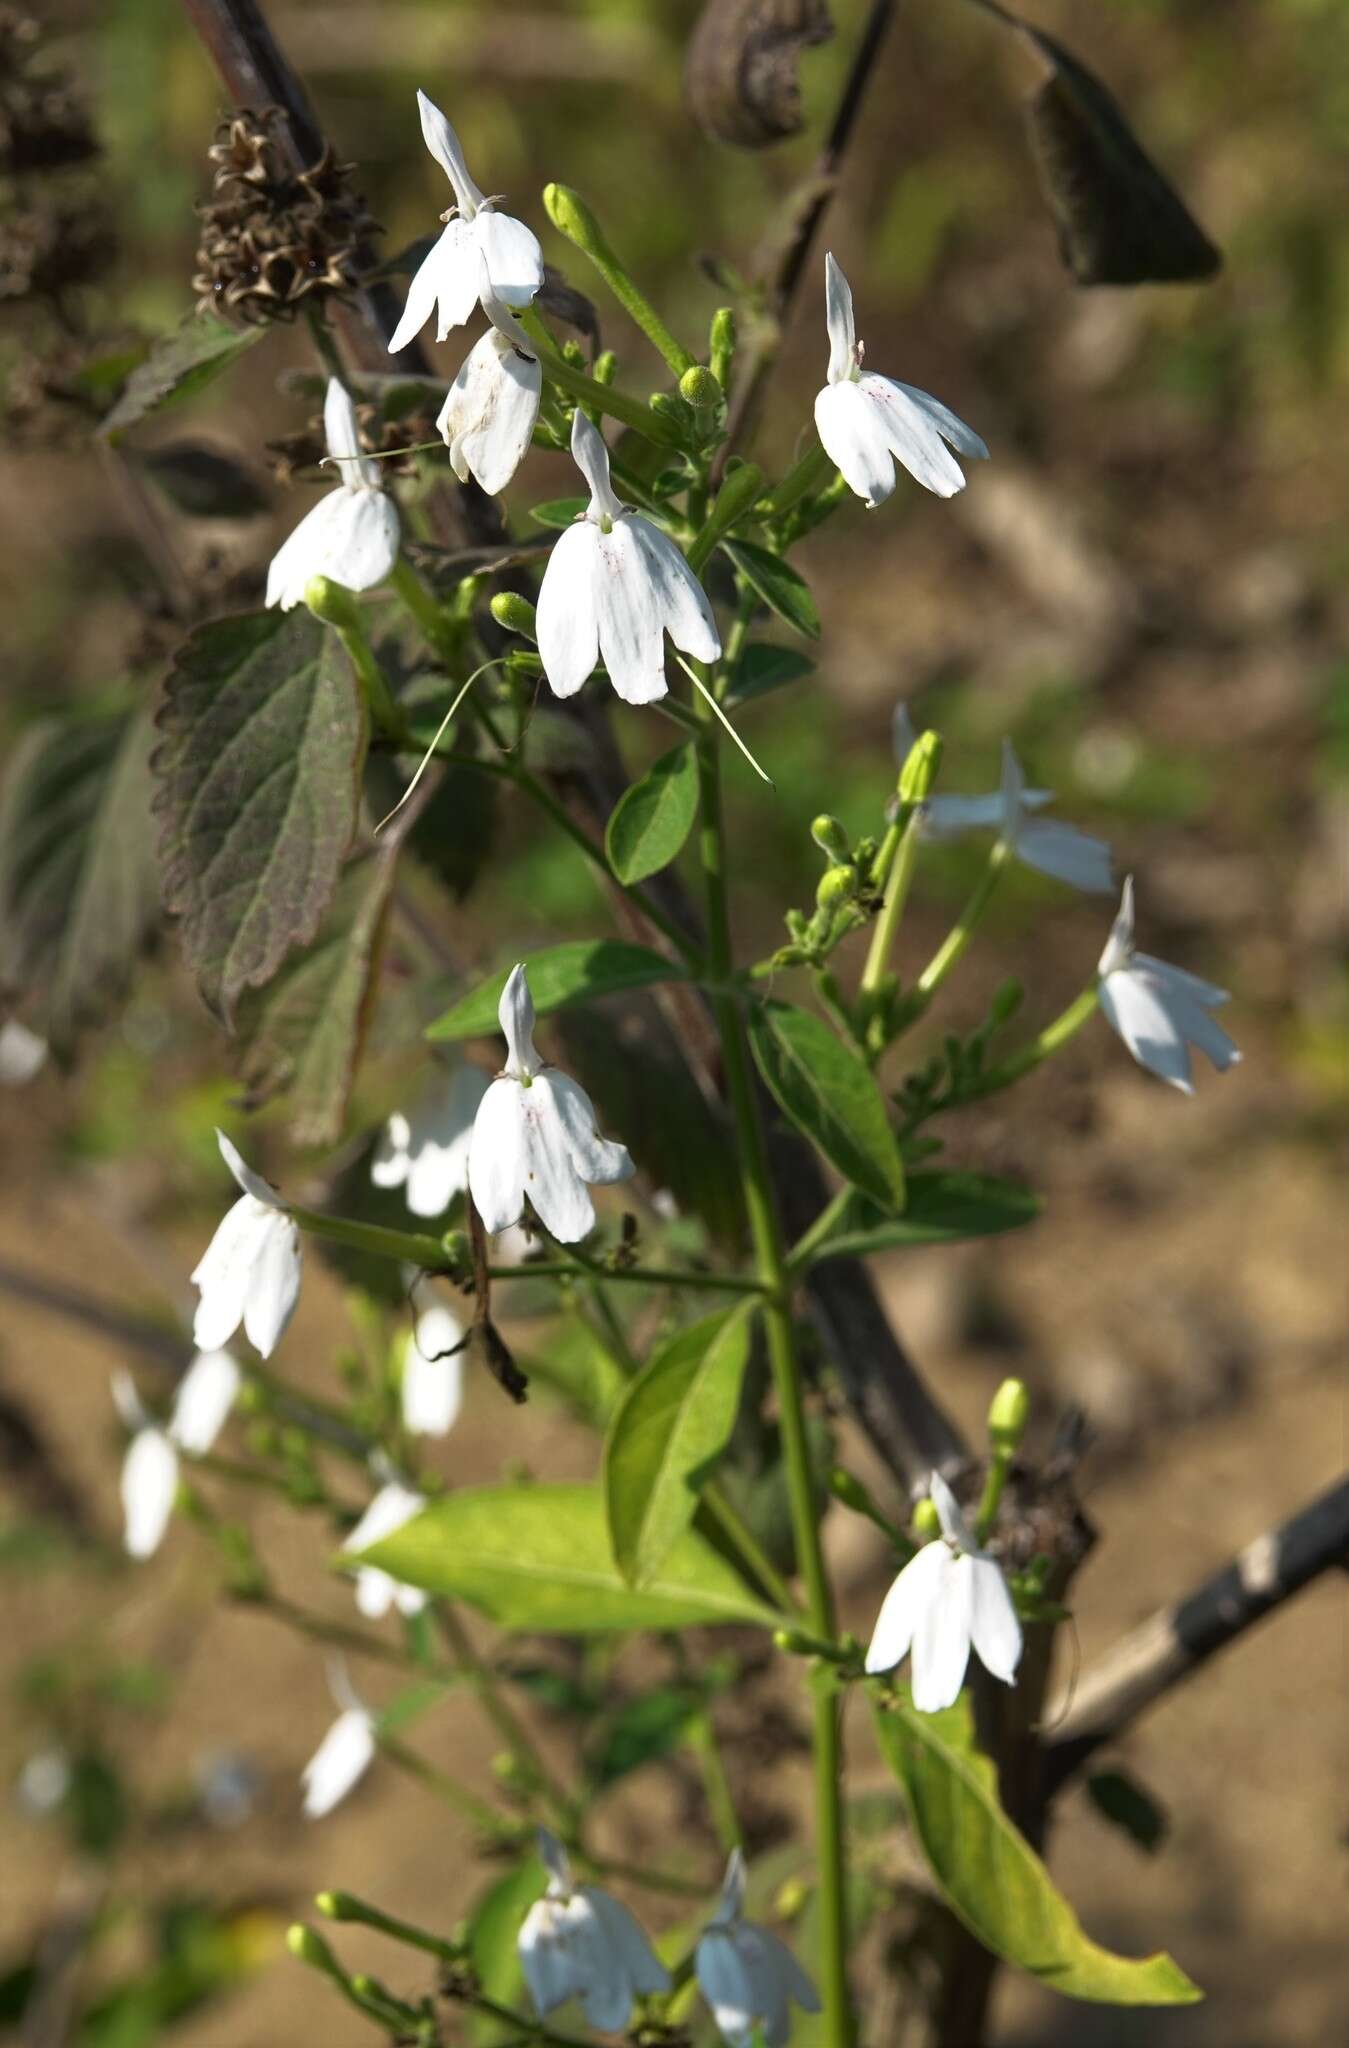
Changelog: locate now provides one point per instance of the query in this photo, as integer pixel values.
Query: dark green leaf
(538, 1557)
(558, 512)
(259, 768)
(303, 1033)
(778, 584)
(179, 366)
(1119, 1798)
(573, 1362)
(203, 482)
(642, 1731)
(991, 1877)
(653, 817)
(670, 1428)
(829, 1093)
(939, 1208)
(763, 667)
(573, 973)
(79, 882)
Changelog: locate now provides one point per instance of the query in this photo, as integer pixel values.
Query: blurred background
(1146, 588)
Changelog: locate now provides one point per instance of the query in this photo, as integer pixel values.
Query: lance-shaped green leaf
(777, 583)
(538, 1557)
(939, 1208)
(989, 1874)
(653, 818)
(572, 973)
(763, 667)
(178, 367)
(303, 1032)
(830, 1094)
(669, 1430)
(79, 881)
(558, 512)
(259, 768)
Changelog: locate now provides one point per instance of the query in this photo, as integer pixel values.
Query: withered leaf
(740, 76)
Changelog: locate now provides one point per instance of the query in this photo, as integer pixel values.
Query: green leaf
(493, 1942)
(763, 667)
(572, 973)
(642, 1731)
(558, 512)
(538, 1557)
(179, 366)
(303, 1033)
(79, 881)
(653, 818)
(991, 1877)
(829, 1093)
(671, 1426)
(1119, 1798)
(259, 772)
(939, 1208)
(572, 1362)
(778, 584)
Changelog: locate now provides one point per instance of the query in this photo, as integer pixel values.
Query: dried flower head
(44, 125)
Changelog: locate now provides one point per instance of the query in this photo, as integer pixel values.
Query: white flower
(149, 1483)
(1042, 843)
(476, 237)
(487, 420)
(535, 1135)
(950, 1597)
(577, 1942)
(346, 1751)
(1158, 1010)
(613, 587)
(250, 1271)
(22, 1053)
(351, 536)
(377, 1591)
(747, 1975)
(866, 421)
(433, 1373)
(427, 1153)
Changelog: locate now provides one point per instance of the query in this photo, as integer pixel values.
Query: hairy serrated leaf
(258, 770)
(179, 366)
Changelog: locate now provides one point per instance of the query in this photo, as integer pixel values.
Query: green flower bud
(919, 772)
(572, 217)
(337, 1906)
(926, 1521)
(721, 345)
(308, 1947)
(700, 389)
(606, 367)
(837, 886)
(830, 836)
(667, 407)
(332, 603)
(1006, 1001)
(515, 613)
(1008, 1414)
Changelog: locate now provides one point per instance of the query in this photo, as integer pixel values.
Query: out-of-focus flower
(22, 1053)
(250, 1271)
(747, 1975)
(345, 1753)
(433, 1373)
(614, 586)
(1045, 844)
(865, 422)
(351, 535)
(377, 1591)
(488, 416)
(149, 1483)
(1159, 1011)
(949, 1598)
(426, 1153)
(578, 1942)
(535, 1136)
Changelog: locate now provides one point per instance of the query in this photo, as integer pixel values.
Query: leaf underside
(571, 973)
(830, 1095)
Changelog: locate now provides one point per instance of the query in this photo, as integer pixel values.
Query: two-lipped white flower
(487, 420)
(250, 1271)
(1158, 1010)
(345, 1753)
(476, 237)
(351, 536)
(614, 586)
(378, 1591)
(949, 1598)
(747, 1975)
(426, 1153)
(23, 1053)
(433, 1373)
(1045, 844)
(578, 1942)
(865, 421)
(535, 1136)
(149, 1483)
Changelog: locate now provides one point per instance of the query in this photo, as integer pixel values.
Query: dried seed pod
(740, 75)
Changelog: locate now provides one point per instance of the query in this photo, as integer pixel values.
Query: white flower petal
(912, 436)
(375, 1592)
(994, 1628)
(351, 537)
(421, 299)
(456, 272)
(339, 1762)
(625, 1939)
(22, 1054)
(724, 1984)
(344, 439)
(488, 416)
(953, 1524)
(1067, 855)
(1133, 1008)
(941, 1644)
(273, 1285)
(224, 1273)
(731, 1901)
(392, 1507)
(515, 1014)
(853, 438)
(681, 599)
(444, 146)
(251, 1183)
(1120, 945)
(948, 424)
(127, 1401)
(512, 254)
(433, 1385)
(205, 1396)
(496, 1160)
(559, 1196)
(390, 1163)
(1195, 1024)
(149, 1486)
(566, 619)
(1180, 981)
(601, 1161)
(548, 1953)
(838, 314)
(950, 817)
(903, 1607)
(629, 612)
(555, 1860)
(591, 456)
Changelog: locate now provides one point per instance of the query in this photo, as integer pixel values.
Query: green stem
(756, 1184)
(509, 1727)
(962, 931)
(590, 393)
(801, 479)
(445, 1787)
(411, 1246)
(1000, 1465)
(898, 882)
(569, 213)
(641, 1276)
(1043, 1046)
(343, 1907)
(386, 716)
(702, 1739)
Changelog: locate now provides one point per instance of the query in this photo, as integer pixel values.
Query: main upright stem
(770, 1261)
